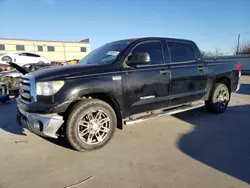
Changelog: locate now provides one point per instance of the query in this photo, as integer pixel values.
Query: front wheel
(91, 124)
(219, 99)
(8, 59)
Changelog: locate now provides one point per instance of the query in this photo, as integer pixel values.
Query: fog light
(38, 125)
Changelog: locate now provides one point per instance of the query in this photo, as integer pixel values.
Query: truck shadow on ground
(244, 89)
(61, 142)
(219, 141)
(8, 118)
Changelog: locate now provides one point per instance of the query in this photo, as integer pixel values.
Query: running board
(165, 113)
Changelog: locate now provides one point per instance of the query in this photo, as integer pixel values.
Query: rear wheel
(219, 99)
(91, 124)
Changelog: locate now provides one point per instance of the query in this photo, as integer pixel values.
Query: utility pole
(238, 46)
(64, 51)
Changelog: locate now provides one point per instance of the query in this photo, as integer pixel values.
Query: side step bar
(165, 113)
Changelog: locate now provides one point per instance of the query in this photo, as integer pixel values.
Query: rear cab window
(181, 52)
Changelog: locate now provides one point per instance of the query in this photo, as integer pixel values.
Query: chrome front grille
(27, 92)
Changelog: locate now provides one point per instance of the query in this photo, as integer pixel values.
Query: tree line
(244, 49)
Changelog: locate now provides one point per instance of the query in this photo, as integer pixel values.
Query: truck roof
(153, 38)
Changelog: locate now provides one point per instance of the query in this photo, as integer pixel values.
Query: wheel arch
(224, 80)
(106, 97)
(9, 56)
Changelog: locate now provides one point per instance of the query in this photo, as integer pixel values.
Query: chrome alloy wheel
(94, 127)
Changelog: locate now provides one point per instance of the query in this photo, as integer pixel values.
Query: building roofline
(79, 41)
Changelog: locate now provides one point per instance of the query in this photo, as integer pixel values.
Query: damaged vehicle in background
(13, 77)
(122, 83)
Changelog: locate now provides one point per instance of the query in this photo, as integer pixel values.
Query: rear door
(146, 87)
(188, 73)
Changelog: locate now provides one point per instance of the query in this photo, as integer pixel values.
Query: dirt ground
(193, 149)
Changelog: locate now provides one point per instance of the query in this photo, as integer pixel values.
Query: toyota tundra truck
(122, 83)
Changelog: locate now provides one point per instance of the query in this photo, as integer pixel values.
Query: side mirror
(138, 58)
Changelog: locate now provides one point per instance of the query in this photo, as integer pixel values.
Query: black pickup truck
(121, 83)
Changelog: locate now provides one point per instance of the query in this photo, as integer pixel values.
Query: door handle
(164, 71)
(200, 68)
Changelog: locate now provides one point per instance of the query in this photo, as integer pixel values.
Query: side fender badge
(147, 97)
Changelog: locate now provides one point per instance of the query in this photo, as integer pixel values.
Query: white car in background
(24, 58)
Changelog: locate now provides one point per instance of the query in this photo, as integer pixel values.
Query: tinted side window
(20, 48)
(153, 48)
(181, 52)
(32, 55)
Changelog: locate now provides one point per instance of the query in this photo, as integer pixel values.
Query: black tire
(78, 113)
(212, 105)
(8, 59)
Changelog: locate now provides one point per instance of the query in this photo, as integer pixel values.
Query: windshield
(105, 54)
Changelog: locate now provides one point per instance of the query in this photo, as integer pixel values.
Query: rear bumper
(238, 85)
(41, 124)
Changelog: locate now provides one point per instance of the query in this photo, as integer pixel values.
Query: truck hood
(62, 72)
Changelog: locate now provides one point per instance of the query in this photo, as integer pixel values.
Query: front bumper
(41, 124)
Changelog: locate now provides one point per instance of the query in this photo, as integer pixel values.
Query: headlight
(48, 88)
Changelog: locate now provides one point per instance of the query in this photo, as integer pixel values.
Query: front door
(188, 74)
(23, 59)
(146, 87)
